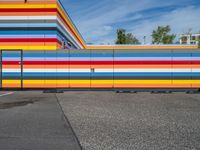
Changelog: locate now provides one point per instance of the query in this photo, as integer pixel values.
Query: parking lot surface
(143, 121)
(32, 120)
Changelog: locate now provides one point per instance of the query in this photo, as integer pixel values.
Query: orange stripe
(140, 47)
(152, 86)
(11, 85)
(196, 85)
(101, 86)
(79, 85)
(28, 13)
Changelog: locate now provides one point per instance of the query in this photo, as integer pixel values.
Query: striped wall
(36, 25)
(101, 69)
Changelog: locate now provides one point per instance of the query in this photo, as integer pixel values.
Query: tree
(161, 36)
(130, 39)
(123, 38)
(199, 42)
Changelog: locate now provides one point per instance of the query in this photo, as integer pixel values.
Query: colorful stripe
(89, 69)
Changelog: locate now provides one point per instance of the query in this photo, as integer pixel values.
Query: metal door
(11, 69)
(102, 69)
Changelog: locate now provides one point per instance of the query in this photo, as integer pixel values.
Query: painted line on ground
(5, 94)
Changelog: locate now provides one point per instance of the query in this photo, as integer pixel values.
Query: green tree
(130, 39)
(123, 38)
(199, 42)
(161, 35)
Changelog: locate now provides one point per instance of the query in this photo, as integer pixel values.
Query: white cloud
(97, 20)
(180, 21)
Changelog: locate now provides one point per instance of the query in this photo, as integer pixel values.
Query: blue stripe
(43, 32)
(11, 74)
(46, 55)
(99, 55)
(196, 54)
(80, 55)
(158, 74)
(152, 54)
(18, 55)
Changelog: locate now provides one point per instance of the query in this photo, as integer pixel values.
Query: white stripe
(6, 94)
(46, 70)
(11, 70)
(28, 17)
(57, 70)
(105, 70)
(196, 70)
(154, 70)
(80, 70)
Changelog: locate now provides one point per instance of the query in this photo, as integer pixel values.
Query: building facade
(190, 39)
(40, 47)
(37, 25)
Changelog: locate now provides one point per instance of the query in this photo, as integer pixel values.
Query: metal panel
(181, 69)
(50, 72)
(0, 69)
(102, 69)
(196, 69)
(63, 69)
(142, 69)
(33, 69)
(80, 68)
(12, 69)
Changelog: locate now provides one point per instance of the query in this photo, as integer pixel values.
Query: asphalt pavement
(31, 120)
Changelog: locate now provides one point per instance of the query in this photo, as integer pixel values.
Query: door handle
(92, 70)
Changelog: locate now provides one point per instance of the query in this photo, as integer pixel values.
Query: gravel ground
(107, 120)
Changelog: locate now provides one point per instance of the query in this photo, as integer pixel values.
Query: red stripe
(28, 10)
(103, 62)
(10, 62)
(28, 39)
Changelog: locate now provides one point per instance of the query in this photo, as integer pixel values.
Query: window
(193, 37)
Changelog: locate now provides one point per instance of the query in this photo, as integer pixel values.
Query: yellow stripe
(28, 6)
(11, 81)
(110, 81)
(56, 81)
(143, 81)
(29, 47)
(33, 81)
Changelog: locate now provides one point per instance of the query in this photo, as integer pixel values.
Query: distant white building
(189, 38)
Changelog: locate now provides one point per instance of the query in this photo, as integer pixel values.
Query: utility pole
(144, 40)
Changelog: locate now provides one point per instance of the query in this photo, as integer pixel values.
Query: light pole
(144, 40)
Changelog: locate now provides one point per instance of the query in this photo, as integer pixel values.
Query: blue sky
(98, 20)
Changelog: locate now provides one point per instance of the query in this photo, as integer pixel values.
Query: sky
(98, 20)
